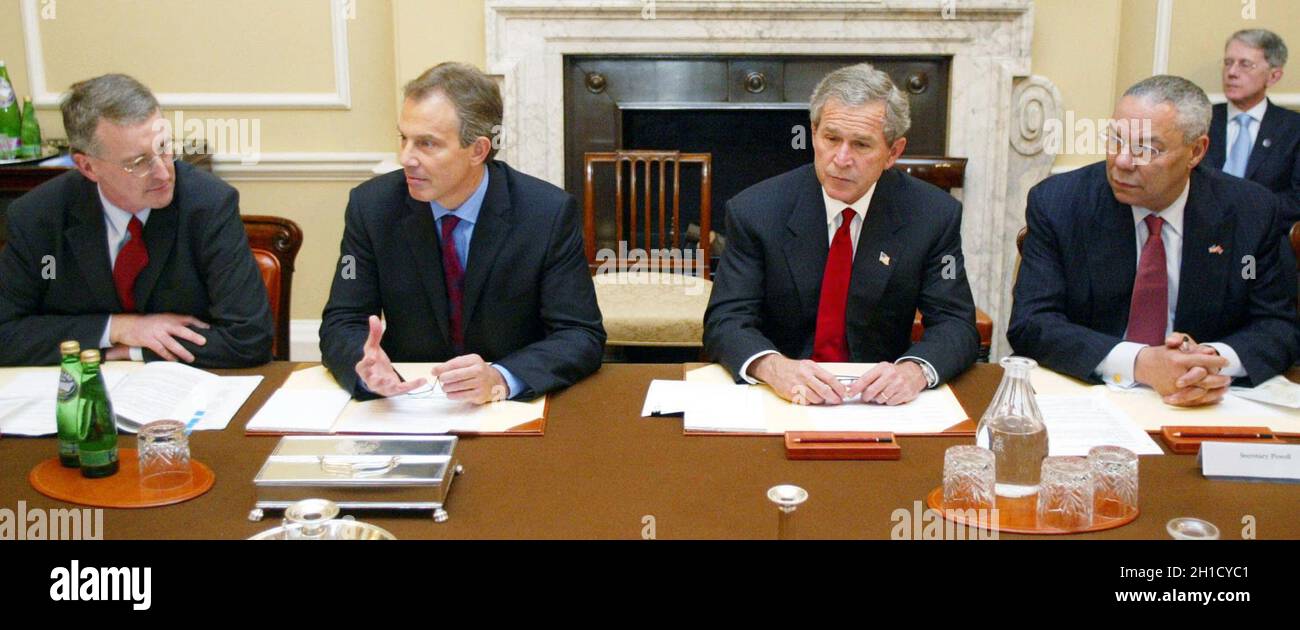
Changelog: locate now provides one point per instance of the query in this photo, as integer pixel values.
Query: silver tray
(360, 472)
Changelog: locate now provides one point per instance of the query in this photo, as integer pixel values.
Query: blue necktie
(1240, 152)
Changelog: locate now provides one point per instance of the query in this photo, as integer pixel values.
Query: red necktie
(830, 342)
(130, 262)
(455, 277)
(1149, 309)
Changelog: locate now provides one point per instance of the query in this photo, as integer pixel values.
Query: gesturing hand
(376, 371)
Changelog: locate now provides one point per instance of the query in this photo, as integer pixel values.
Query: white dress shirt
(1118, 366)
(115, 222)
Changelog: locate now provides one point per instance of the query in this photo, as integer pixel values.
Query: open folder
(717, 405)
(311, 401)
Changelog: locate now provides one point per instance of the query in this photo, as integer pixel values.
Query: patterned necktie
(130, 262)
(830, 343)
(1149, 308)
(1240, 153)
(455, 277)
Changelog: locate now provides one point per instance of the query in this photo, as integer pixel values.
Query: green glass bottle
(65, 413)
(29, 134)
(10, 117)
(97, 448)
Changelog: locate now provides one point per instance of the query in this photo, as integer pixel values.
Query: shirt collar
(1256, 112)
(117, 217)
(467, 211)
(1173, 215)
(835, 207)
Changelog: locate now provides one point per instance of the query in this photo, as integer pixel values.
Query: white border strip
(340, 98)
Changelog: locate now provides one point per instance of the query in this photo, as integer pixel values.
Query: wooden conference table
(601, 469)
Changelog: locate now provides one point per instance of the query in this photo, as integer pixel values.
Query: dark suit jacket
(1080, 259)
(199, 264)
(1276, 166)
(529, 302)
(768, 285)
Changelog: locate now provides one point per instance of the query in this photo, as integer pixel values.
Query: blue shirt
(462, 235)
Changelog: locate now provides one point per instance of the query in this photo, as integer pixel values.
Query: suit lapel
(421, 238)
(808, 246)
(87, 239)
(159, 238)
(1203, 273)
(877, 245)
(1268, 130)
(489, 234)
(1112, 261)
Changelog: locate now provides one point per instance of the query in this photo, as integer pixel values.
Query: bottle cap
(70, 347)
(90, 356)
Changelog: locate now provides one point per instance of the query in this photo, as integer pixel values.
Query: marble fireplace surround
(996, 111)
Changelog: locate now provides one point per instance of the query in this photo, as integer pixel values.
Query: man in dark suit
(1268, 152)
(1128, 263)
(132, 253)
(829, 262)
(471, 262)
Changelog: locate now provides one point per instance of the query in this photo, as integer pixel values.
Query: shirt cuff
(1117, 368)
(513, 385)
(103, 339)
(931, 374)
(1234, 369)
(137, 353)
(744, 368)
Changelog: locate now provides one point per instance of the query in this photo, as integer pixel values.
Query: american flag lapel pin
(1216, 249)
(884, 259)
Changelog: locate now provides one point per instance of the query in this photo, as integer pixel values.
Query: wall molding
(1289, 100)
(1164, 30)
(339, 98)
(304, 340)
(304, 166)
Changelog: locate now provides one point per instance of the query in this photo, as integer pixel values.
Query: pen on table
(832, 440)
(1223, 434)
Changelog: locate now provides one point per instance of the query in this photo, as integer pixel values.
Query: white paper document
(1275, 391)
(724, 408)
(666, 397)
(140, 394)
(300, 411)
(932, 412)
(173, 391)
(1076, 423)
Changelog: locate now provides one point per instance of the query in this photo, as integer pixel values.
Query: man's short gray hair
(116, 98)
(474, 95)
(1188, 99)
(858, 85)
(1268, 41)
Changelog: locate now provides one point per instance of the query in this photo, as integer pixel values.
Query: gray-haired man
(1129, 263)
(132, 253)
(1250, 136)
(829, 263)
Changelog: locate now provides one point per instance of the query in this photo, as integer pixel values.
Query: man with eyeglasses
(1153, 269)
(1250, 136)
(133, 253)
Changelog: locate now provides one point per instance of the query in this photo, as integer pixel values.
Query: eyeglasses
(1140, 152)
(1246, 64)
(143, 165)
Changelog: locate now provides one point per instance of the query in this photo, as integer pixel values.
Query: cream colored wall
(1091, 49)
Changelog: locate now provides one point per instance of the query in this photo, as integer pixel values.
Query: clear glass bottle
(1012, 427)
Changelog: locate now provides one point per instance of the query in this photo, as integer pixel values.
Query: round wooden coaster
(1020, 516)
(122, 490)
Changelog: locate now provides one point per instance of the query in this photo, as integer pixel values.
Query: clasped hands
(466, 378)
(804, 382)
(1183, 372)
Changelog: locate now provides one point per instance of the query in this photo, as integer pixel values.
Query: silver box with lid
(360, 472)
